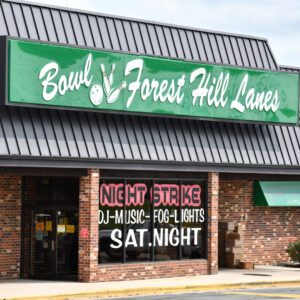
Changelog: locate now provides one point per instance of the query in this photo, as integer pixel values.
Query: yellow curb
(264, 295)
(160, 290)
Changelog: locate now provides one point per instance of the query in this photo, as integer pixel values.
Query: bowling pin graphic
(107, 86)
(111, 75)
(115, 93)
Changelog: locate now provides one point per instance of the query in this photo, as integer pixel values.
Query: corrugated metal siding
(95, 30)
(41, 133)
(86, 135)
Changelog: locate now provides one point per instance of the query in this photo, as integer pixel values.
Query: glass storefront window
(147, 220)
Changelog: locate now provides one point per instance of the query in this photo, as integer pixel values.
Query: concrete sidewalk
(261, 276)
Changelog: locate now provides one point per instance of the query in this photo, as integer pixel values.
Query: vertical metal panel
(207, 47)
(236, 51)
(153, 40)
(249, 147)
(129, 36)
(177, 43)
(49, 133)
(40, 133)
(262, 144)
(78, 134)
(20, 23)
(250, 53)
(222, 49)
(19, 132)
(219, 143)
(68, 133)
(106, 136)
(193, 46)
(123, 137)
(57, 127)
(141, 140)
(241, 143)
(132, 140)
(180, 140)
(270, 57)
(158, 144)
(230, 54)
(30, 23)
(263, 55)
(165, 140)
(269, 144)
(288, 144)
(226, 141)
(196, 141)
(282, 145)
(170, 42)
(59, 28)
(185, 44)
(200, 46)
(186, 134)
(49, 25)
(87, 135)
(3, 143)
(146, 40)
(243, 52)
(255, 143)
(204, 141)
(275, 144)
(29, 132)
(104, 33)
(113, 34)
(9, 133)
(256, 54)
(173, 140)
(234, 143)
(294, 141)
(77, 29)
(148, 138)
(137, 37)
(99, 144)
(214, 47)
(40, 25)
(116, 143)
(162, 41)
(95, 32)
(212, 143)
(88, 36)
(3, 27)
(10, 19)
(68, 28)
(121, 35)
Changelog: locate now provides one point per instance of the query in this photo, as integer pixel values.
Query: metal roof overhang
(57, 163)
(31, 137)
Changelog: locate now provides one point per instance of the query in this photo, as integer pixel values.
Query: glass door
(43, 240)
(54, 244)
(67, 244)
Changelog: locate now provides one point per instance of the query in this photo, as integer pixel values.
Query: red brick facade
(10, 226)
(267, 230)
(89, 270)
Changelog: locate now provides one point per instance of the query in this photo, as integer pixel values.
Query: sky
(276, 20)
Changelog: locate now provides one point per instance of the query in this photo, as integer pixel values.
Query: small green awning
(277, 193)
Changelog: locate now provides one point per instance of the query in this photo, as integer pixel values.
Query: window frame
(201, 180)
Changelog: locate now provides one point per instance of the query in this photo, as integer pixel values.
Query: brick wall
(266, 229)
(88, 268)
(10, 226)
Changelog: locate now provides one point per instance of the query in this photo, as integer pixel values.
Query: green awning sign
(51, 75)
(277, 193)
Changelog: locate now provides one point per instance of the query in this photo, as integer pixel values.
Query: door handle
(52, 245)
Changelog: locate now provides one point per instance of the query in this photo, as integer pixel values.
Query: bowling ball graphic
(96, 94)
